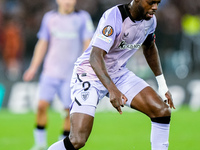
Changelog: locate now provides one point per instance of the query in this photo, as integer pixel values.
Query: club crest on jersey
(85, 95)
(107, 30)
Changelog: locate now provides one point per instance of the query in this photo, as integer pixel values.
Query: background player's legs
(67, 121)
(42, 113)
(148, 102)
(41, 121)
(64, 92)
(66, 128)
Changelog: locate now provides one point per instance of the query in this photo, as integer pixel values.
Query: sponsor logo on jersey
(104, 38)
(107, 31)
(124, 45)
(62, 35)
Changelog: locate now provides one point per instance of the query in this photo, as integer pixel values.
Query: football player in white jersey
(63, 35)
(101, 71)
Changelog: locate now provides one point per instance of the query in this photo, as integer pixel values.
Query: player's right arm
(37, 59)
(152, 56)
(99, 67)
(40, 48)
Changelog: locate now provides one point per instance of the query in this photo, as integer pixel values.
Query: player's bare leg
(42, 113)
(148, 102)
(66, 126)
(67, 121)
(81, 127)
(41, 121)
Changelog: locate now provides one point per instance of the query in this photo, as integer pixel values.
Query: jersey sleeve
(43, 31)
(107, 30)
(151, 36)
(154, 24)
(88, 26)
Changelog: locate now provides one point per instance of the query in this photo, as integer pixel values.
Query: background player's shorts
(89, 92)
(49, 86)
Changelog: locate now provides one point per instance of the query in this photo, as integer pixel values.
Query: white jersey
(120, 36)
(65, 35)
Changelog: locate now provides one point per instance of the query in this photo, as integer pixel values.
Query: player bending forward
(101, 70)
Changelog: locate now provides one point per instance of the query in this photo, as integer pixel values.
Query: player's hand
(118, 100)
(169, 100)
(29, 75)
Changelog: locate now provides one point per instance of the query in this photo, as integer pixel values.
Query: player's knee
(66, 114)
(166, 111)
(162, 116)
(161, 111)
(78, 142)
(42, 107)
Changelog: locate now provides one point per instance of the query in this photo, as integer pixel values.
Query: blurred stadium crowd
(178, 29)
(178, 33)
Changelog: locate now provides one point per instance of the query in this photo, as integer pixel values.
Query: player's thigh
(141, 96)
(81, 127)
(150, 103)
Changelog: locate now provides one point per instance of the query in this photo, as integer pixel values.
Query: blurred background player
(63, 35)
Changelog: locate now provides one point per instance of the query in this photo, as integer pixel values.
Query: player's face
(148, 8)
(66, 5)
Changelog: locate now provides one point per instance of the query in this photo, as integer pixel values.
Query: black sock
(164, 120)
(40, 127)
(68, 144)
(66, 133)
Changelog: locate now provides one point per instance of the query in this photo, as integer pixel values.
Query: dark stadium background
(177, 37)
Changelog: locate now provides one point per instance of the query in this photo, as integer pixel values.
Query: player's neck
(65, 12)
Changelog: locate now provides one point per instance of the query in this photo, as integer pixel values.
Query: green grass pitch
(111, 131)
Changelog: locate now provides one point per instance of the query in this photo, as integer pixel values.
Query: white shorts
(89, 93)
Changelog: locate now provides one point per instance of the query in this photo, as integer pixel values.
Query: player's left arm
(152, 56)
